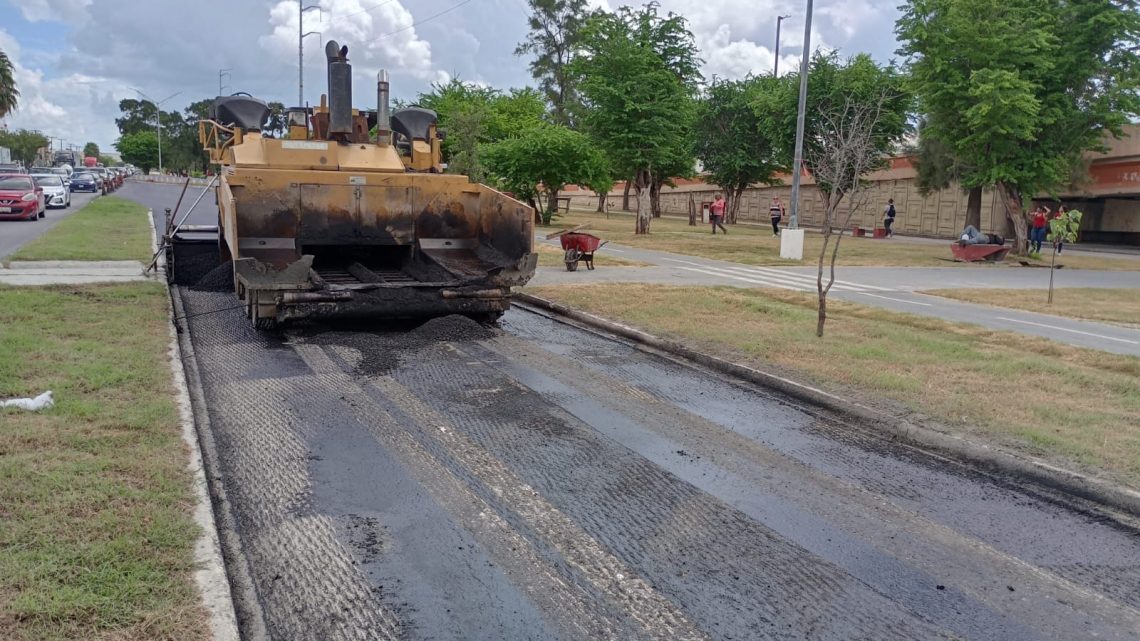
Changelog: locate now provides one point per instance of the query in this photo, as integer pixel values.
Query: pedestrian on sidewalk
(1037, 233)
(716, 214)
(889, 217)
(1060, 242)
(776, 212)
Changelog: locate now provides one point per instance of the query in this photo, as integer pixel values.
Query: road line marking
(754, 281)
(803, 280)
(1072, 331)
(812, 278)
(898, 300)
(753, 270)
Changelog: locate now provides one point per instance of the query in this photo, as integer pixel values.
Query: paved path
(17, 233)
(71, 272)
(893, 288)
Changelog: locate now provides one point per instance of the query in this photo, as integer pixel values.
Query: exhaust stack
(340, 90)
(383, 118)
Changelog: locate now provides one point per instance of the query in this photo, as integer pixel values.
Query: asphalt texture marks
(449, 480)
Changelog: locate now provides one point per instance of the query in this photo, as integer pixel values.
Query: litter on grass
(41, 402)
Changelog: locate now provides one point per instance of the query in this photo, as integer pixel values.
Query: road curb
(985, 456)
(211, 577)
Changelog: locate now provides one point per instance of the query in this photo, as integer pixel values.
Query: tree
(91, 150)
(544, 159)
(730, 141)
(9, 94)
(555, 33)
(937, 168)
(845, 150)
(638, 74)
(139, 149)
(1018, 90)
(106, 161)
(23, 144)
(834, 84)
(1062, 229)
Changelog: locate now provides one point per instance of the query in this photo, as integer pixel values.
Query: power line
(356, 13)
(428, 19)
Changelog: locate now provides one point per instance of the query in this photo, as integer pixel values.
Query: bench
(978, 253)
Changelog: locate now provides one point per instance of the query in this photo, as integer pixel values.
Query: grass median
(108, 228)
(754, 245)
(1075, 406)
(97, 537)
(1121, 306)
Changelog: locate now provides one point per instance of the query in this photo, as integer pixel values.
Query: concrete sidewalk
(71, 272)
(894, 288)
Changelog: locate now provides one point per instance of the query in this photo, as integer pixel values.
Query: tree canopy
(729, 141)
(1015, 91)
(9, 94)
(555, 35)
(91, 150)
(639, 74)
(545, 159)
(23, 144)
(139, 149)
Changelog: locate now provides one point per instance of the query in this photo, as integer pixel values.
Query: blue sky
(77, 58)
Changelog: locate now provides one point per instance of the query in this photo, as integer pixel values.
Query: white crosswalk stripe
(773, 277)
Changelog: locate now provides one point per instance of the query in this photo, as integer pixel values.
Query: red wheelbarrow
(580, 247)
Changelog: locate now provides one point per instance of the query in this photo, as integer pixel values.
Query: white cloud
(73, 11)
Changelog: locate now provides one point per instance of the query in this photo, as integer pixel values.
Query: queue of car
(28, 194)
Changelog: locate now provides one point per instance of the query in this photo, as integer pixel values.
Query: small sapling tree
(1062, 229)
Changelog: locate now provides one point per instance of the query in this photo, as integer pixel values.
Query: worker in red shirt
(716, 214)
(1037, 232)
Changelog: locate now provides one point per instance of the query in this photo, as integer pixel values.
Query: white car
(56, 194)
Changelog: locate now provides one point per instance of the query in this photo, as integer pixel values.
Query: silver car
(56, 194)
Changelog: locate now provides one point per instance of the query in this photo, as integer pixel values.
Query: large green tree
(555, 34)
(638, 73)
(91, 150)
(139, 149)
(9, 94)
(23, 144)
(730, 142)
(1016, 91)
(836, 85)
(542, 160)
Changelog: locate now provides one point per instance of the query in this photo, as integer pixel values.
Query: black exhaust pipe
(340, 90)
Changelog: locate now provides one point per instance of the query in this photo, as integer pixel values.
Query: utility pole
(158, 119)
(301, 33)
(792, 244)
(222, 73)
(776, 67)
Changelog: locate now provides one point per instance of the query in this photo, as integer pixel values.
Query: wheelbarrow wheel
(571, 258)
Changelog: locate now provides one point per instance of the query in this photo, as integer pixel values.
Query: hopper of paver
(350, 215)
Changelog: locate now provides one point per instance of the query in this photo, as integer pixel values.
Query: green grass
(1120, 306)
(96, 539)
(1076, 406)
(108, 228)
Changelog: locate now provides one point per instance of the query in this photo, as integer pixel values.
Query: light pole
(301, 33)
(223, 73)
(792, 245)
(158, 119)
(776, 67)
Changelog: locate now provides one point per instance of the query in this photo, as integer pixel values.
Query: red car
(21, 198)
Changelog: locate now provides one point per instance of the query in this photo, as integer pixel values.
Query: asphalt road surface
(538, 481)
(17, 233)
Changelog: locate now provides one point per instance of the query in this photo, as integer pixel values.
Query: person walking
(776, 212)
(716, 214)
(889, 217)
(1037, 232)
(1060, 242)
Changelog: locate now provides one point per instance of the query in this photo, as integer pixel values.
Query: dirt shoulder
(1074, 406)
(98, 532)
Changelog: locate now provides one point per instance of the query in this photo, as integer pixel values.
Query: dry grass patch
(108, 228)
(97, 538)
(1050, 399)
(754, 245)
(1120, 306)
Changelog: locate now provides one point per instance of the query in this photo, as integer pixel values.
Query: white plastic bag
(43, 401)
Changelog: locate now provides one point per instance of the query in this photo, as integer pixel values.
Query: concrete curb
(996, 460)
(210, 575)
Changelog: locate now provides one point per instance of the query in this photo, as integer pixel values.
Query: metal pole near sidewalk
(792, 242)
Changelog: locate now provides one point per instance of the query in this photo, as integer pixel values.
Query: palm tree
(8, 92)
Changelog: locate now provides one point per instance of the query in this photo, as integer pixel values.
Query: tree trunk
(551, 202)
(974, 208)
(732, 211)
(822, 318)
(1011, 201)
(537, 210)
(655, 198)
(601, 202)
(625, 196)
(692, 211)
(644, 179)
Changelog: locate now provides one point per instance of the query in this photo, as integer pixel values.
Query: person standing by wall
(1060, 242)
(1040, 223)
(776, 212)
(716, 214)
(889, 217)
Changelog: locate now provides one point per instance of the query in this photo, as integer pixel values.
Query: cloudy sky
(75, 59)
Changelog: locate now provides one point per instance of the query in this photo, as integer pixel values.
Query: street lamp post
(792, 245)
(158, 119)
(776, 66)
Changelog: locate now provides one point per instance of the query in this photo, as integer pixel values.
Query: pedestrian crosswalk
(772, 277)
